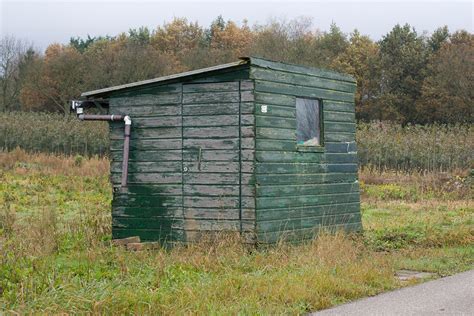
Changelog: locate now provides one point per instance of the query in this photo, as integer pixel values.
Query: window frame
(312, 148)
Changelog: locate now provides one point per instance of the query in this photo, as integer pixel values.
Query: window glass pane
(307, 122)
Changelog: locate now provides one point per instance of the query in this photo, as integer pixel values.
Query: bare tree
(12, 52)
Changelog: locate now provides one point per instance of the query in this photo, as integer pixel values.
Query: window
(308, 122)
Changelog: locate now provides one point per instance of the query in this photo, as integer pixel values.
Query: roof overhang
(165, 79)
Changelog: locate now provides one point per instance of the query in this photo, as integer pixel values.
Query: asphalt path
(452, 295)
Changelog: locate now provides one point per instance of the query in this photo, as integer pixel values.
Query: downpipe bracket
(77, 107)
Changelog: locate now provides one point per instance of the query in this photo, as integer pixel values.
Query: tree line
(405, 77)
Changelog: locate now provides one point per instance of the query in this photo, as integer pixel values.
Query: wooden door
(211, 158)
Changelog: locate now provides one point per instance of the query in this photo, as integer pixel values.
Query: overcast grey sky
(44, 22)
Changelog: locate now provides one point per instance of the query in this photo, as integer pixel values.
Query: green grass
(57, 256)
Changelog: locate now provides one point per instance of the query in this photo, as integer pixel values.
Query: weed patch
(57, 255)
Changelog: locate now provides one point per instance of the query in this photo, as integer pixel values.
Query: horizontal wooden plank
(211, 155)
(223, 75)
(247, 96)
(210, 213)
(204, 143)
(246, 85)
(341, 158)
(211, 225)
(211, 87)
(147, 99)
(300, 91)
(300, 157)
(211, 109)
(275, 122)
(218, 178)
(247, 107)
(211, 190)
(149, 177)
(211, 132)
(247, 143)
(211, 97)
(222, 202)
(247, 166)
(283, 156)
(149, 155)
(347, 147)
(332, 127)
(210, 120)
(152, 201)
(276, 145)
(247, 131)
(148, 166)
(308, 222)
(214, 166)
(148, 90)
(152, 189)
(262, 63)
(248, 202)
(299, 235)
(210, 178)
(330, 105)
(144, 133)
(147, 110)
(306, 200)
(274, 99)
(307, 211)
(147, 144)
(317, 178)
(218, 214)
(276, 110)
(247, 119)
(303, 79)
(163, 224)
(302, 168)
(153, 122)
(154, 212)
(247, 235)
(339, 137)
(339, 116)
(247, 155)
(272, 190)
(275, 133)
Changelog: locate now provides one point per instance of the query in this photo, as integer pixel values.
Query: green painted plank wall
(205, 124)
(298, 192)
(151, 205)
(218, 142)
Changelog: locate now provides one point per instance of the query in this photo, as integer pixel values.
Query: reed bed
(382, 146)
(52, 133)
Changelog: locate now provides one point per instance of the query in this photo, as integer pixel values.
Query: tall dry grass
(381, 146)
(387, 146)
(22, 162)
(52, 133)
(57, 257)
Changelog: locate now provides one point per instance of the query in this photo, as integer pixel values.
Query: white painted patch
(264, 109)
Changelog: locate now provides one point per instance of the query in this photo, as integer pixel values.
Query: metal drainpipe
(126, 142)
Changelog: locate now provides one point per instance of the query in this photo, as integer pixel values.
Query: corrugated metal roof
(244, 60)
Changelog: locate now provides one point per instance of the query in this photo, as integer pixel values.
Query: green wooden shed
(263, 148)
